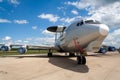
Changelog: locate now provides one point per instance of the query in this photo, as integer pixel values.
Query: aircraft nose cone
(104, 30)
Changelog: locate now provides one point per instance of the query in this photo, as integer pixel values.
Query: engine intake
(5, 48)
(22, 50)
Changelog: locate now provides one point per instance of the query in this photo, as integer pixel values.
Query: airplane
(79, 37)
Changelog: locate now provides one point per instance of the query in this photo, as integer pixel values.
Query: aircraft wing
(41, 47)
(2, 44)
(23, 48)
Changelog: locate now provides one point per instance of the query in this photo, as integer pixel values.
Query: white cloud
(34, 27)
(40, 41)
(109, 14)
(94, 4)
(21, 21)
(45, 40)
(69, 20)
(6, 38)
(50, 17)
(26, 41)
(82, 4)
(4, 21)
(77, 4)
(19, 41)
(15, 2)
(48, 33)
(48, 41)
(113, 38)
(74, 12)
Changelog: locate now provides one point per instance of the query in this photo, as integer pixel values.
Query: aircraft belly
(95, 45)
(71, 46)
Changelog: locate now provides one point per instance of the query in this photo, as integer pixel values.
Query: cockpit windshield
(92, 22)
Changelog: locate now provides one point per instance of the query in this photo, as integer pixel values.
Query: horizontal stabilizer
(56, 29)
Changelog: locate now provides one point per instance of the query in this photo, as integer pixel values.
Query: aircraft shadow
(28, 56)
(61, 61)
(69, 64)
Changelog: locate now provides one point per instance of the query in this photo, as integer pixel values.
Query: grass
(14, 52)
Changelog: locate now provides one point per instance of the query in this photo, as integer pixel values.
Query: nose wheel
(81, 60)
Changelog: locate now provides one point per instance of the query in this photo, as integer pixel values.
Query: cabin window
(92, 22)
(79, 24)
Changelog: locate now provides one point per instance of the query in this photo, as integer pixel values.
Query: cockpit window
(80, 23)
(92, 22)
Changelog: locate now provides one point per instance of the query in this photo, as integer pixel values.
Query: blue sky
(25, 21)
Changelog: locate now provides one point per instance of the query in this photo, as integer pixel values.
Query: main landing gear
(81, 60)
(71, 54)
(81, 55)
(50, 53)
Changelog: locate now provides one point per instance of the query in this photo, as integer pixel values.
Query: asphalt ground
(60, 67)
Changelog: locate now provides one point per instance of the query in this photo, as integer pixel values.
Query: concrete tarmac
(40, 67)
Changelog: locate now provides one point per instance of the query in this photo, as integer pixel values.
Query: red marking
(78, 46)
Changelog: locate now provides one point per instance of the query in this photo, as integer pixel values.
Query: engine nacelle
(5, 48)
(111, 48)
(102, 50)
(22, 50)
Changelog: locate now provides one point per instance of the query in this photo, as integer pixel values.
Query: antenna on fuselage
(56, 30)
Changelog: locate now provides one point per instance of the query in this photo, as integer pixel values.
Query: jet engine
(22, 50)
(5, 48)
(111, 48)
(102, 50)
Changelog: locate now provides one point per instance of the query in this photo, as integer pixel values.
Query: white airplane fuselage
(88, 36)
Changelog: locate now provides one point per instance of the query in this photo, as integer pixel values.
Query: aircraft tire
(71, 54)
(81, 60)
(49, 54)
(78, 59)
